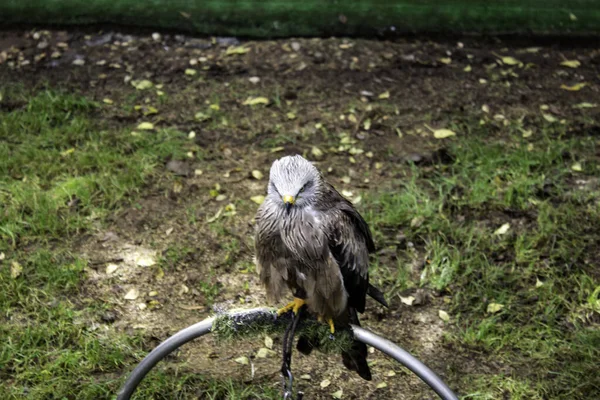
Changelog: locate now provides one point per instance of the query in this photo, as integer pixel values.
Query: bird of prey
(312, 241)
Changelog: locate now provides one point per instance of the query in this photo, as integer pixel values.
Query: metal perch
(248, 316)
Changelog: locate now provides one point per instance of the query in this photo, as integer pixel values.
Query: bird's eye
(302, 189)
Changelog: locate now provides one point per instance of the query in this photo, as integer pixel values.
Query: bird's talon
(329, 321)
(294, 306)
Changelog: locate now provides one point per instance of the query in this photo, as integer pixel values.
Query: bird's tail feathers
(355, 359)
(377, 295)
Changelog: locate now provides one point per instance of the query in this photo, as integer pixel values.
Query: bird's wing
(350, 242)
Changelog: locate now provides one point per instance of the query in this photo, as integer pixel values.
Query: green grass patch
(62, 172)
(543, 270)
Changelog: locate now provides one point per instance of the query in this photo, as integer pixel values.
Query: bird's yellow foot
(295, 306)
(329, 322)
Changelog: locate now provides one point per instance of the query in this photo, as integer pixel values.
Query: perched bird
(312, 241)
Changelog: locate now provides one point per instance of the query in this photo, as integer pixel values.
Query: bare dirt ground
(177, 266)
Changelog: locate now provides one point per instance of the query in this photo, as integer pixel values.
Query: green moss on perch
(257, 323)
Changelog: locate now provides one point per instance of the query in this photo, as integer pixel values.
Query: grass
(62, 173)
(543, 271)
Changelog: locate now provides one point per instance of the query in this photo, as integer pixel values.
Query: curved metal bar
(204, 327)
(406, 359)
(160, 352)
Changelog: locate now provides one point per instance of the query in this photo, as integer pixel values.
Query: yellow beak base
(287, 199)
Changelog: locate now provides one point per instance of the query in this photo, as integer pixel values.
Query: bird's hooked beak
(288, 200)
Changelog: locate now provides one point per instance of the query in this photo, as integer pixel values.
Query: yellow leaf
(445, 60)
(258, 199)
(145, 126)
(381, 385)
(268, 342)
(150, 110)
(190, 71)
(503, 229)
(237, 50)
(67, 152)
(443, 133)
(367, 124)
(538, 283)
(467, 68)
(242, 360)
(291, 115)
(384, 95)
(132, 294)
(257, 174)
(338, 394)
(251, 101)
(570, 63)
(407, 300)
(15, 270)
(160, 274)
(107, 101)
(585, 105)
(443, 315)
(577, 167)
(324, 383)
(315, 151)
(142, 84)
(510, 61)
(493, 308)
(574, 88)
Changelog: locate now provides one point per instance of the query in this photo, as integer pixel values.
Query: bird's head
(294, 182)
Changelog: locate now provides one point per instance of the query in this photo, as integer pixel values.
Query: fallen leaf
(160, 274)
(15, 269)
(585, 105)
(2, 256)
(493, 308)
(324, 383)
(574, 88)
(242, 360)
(268, 342)
(407, 300)
(315, 151)
(291, 116)
(237, 50)
(142, 84)
(145, 261)
(254, 79)
(549, 117)
(390, 373)
(381, 385)
(443, 315)
(538, 283)
(256, 174)
(263, 352)
(367, 124)
(306, 377)
(132, 294)
(110, 268)
(67, 152)
(485, 108)
(503, 229)
(527, 133)
(510, 61)
(338, 394)
(345, 179)
(258, 199)
(384, 95)
(107, 101)
(152, 293)
(356, 200)
(467, 68)
(571, 63)
(220, 197)
(445, 60)
(577, 167)
(145, 126)
(277, 149)
(443, 133)
(190, 71)
(251, 101)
